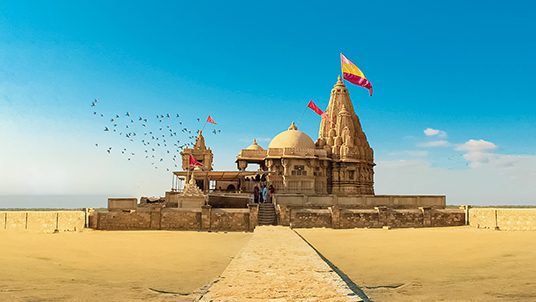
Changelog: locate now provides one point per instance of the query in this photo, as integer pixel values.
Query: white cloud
(474, 145)
(478, 152)
(435, 132)
(434, 144)
(439, 136)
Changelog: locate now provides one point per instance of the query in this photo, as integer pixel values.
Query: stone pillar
(335, 216)
(253, 216)
(426, 216)
(284, 215)
(383, 216)
(156, 217)
(466, 211)
(205, 217)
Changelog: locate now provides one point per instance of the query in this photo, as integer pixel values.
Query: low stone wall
(344, 218)
(362, 201)
(229, 220)
(181, 219)
(42, 221)
(201, 219)
(503, 219)
(310, 218)
(119, 204)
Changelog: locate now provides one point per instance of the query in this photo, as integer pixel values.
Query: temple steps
(267, 214)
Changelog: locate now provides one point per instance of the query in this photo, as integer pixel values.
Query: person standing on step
(271, 192)
(261, 196)
(264, 193)
(256, 194)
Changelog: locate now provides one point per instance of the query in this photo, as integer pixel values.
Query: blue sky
(465, 69)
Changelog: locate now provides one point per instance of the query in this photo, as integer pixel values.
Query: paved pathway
(278, 265)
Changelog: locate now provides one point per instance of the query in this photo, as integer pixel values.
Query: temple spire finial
(293, 126)
(339, 81)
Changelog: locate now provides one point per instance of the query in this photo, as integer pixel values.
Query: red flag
(210, 120)
(315, 108)
(318, 111)
(194, 162)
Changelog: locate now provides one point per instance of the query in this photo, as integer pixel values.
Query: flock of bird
(159, 138)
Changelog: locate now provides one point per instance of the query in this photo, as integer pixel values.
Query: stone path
(278, 265)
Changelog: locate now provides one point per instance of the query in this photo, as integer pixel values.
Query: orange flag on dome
(210, 120)
(353, 74)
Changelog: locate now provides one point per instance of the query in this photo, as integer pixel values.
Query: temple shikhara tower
(352, 160)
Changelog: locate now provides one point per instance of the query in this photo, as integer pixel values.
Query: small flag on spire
(210, 120)
(194, 162)
(315, 108)
(353, 74)
(318, 111)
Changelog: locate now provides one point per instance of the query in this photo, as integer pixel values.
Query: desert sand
(112, 266)
(440, 264)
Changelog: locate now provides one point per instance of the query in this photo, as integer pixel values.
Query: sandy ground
(441, 264)
(112, 266)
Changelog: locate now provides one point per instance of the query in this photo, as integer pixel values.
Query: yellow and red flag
(353, 74)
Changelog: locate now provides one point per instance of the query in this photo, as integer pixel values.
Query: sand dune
(112, 266)
(441, 264)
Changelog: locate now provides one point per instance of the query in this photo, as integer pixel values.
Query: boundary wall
(504, 219)
(378, 217)
(43, 221)
(205, 218)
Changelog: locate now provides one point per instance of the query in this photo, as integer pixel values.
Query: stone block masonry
(512, 219)
(200, 219)
(42, 221)
(278, 265)
(344, 218)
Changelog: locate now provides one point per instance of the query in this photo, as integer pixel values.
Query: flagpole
(187, 172)
(340, 62)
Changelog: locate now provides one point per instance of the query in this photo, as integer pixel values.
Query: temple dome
(292, 138)
(254, 146)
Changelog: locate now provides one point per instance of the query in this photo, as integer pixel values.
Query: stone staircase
(267, 215)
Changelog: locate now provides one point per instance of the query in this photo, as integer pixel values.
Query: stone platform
(278, 265)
